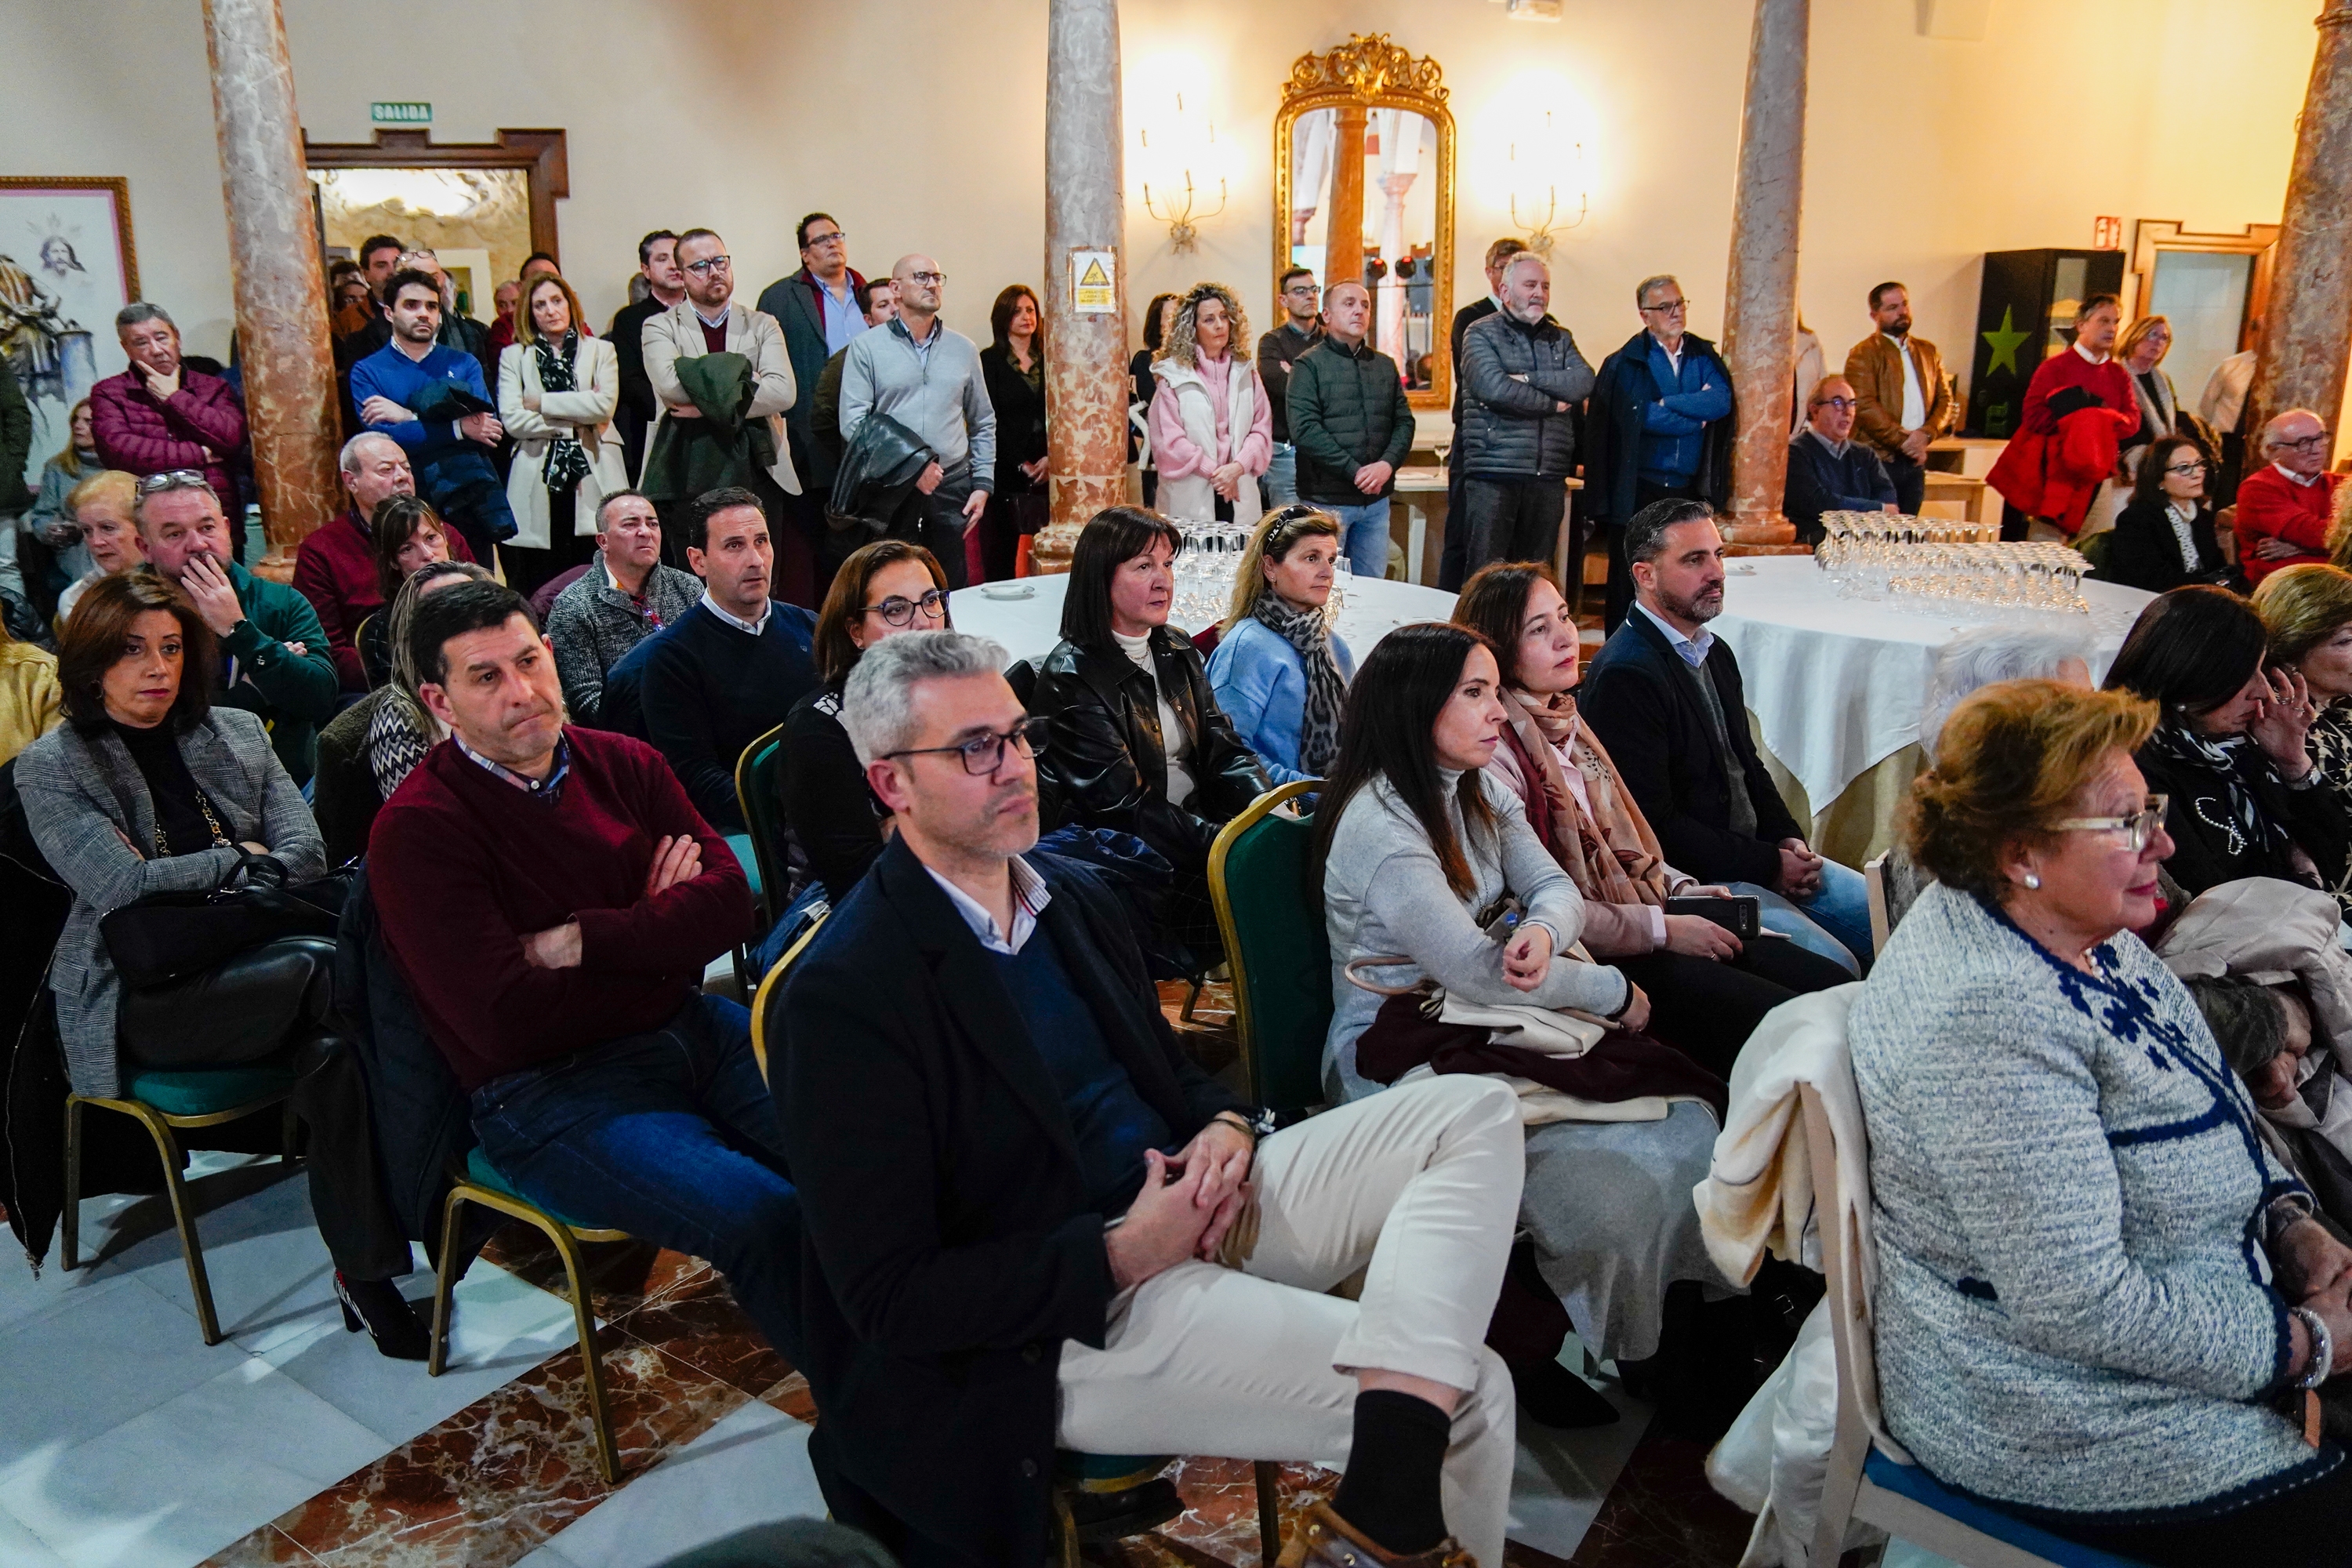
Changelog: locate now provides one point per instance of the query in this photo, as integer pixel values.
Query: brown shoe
(1324, 1540)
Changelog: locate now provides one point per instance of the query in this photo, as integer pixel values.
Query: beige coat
(586, 415)
(676, 335)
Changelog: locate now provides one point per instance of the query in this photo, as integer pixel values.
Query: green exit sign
(401, 113)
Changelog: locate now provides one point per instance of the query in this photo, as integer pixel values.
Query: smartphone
(1741, 916)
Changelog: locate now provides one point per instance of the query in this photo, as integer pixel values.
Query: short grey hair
(140, 311)
(603, 502)
(348, 460)
(1524, 259)
(1986, 656)
(877, 705)
(1647, 286)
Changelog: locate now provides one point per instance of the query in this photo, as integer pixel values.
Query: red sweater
(335, 570)
(2110, 382)
(2272, 506)
(464, 866)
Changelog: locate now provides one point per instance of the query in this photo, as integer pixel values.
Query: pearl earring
(2032, 881)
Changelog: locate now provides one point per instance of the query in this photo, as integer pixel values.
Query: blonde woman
(2306, 613)
(1211, 428)
(1279, 673)
(100, 508)
(557, 390)
(48, 521)
(2141, 352)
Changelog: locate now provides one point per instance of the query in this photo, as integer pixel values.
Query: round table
(1835, 689)
(1031, 624)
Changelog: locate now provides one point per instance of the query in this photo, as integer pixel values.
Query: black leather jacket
(1109, 763)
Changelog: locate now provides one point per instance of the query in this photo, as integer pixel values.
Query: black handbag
(168, 937)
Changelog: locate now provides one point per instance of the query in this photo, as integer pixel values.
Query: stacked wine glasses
(1938, 565)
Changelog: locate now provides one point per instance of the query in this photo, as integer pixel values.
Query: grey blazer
(90, 812)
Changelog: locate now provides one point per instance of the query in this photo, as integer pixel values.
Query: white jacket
(1193, 499)
(585, 415)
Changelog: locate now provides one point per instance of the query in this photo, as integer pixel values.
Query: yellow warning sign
(1094, 282)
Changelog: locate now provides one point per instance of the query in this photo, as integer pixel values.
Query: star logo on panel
(2004, 342)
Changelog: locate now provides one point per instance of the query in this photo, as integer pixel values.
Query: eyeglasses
(172, 479)
(1671, 308)
(2138, 828)
(930, 279)
(984, 754)
(898, 610)
(836, 237)
(2308, 443)
(708, 265)
(2184, 468)
(1840, 403)
(1306, 289)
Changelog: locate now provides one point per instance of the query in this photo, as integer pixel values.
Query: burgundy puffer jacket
(197, 427)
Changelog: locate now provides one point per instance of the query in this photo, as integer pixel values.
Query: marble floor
(125, 1442)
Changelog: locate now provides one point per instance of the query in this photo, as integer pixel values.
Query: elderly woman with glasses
(888, 587)
(2100, 1298)
(2163, 538)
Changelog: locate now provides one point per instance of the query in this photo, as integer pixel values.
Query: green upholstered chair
(482, 1184)
(161, 1101)
(758, 791)
(1270, 914)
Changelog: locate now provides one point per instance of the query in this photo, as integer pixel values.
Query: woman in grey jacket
(148, 788)
(2100, 1299)
(1418, 845)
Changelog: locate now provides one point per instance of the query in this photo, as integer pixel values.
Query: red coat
(335, 570)
(2057, 472)
(2272, 506)
(198, 428)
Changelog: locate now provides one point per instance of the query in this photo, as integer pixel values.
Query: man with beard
(1665, 698)
(1901, 401)
(550, 898)
(727, 671)
(453, 455)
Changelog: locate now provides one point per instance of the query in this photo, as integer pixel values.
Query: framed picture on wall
(67, 266)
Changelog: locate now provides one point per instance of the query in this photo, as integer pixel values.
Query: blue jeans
(1833, 922)
(1364, 536)
(1278, 486)
(671, 1136)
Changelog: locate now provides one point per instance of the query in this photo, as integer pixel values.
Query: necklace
(220, 840)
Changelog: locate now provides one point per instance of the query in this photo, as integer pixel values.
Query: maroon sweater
(464, 866)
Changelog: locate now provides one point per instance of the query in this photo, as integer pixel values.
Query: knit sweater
(464, 866)
(2272, 506)
(1384, 893)
(709, 690)
(2072, 1311)
(593, 625)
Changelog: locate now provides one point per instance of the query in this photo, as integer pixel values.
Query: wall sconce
(1186, 142)
(1538, 177)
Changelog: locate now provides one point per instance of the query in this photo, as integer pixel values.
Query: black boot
(378, 1306)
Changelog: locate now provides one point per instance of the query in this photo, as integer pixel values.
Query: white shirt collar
(2088, 357)
(1702, 643)
(719, 320)
(2304, 480)
(1030, 897)
(737, 621)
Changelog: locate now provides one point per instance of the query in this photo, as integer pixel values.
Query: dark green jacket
(1347, 408)
(16, 443)
(686, 458)
(293, 693)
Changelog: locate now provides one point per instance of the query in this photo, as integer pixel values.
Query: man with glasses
(1012, 1179)
(1901, 401)
(2285, 506)
(1661, 427)
(1277, 350)
(274, 659)
(1829, 470)
(818, 309)
(926, 377)
(665, 287)
(551, 898)
(626, 595)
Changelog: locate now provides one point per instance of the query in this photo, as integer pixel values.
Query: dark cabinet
(2025, 313)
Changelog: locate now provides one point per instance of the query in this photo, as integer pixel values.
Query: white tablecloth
(1837, 685)
(1032, 626)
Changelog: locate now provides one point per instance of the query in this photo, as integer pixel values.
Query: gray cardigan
(2073, 1306)
(593, 624)
(1384, 893)
(87, 806)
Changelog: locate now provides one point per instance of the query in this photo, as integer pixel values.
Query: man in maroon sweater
(335, 567)
(551, 898)
(2284, 507)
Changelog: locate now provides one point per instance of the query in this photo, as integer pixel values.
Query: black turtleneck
(169, 785)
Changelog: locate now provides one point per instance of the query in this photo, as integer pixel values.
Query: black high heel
(377, 1306)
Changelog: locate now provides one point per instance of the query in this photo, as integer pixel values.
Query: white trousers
(1419, 1186)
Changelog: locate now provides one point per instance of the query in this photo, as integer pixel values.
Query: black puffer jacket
(1347, 408)
(1108, 761)
(1514, 377)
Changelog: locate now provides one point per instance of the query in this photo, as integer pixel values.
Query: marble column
(1343, 230)
(1760, 329)
(1087, 382)
(281, 293)
(2309, 321)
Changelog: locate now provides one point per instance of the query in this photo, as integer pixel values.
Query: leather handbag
(168, 937)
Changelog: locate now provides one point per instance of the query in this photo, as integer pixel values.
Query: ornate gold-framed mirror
(1386, 215)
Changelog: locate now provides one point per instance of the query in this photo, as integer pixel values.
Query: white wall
(1923, 153)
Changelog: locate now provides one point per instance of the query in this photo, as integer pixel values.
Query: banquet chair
(1270, 916)
(1865, 1483)
(758, 791)
(1882, 920)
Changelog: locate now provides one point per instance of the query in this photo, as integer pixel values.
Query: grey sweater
(86, 805)
(938, 394)
(1384, 893)
(2072, 1310)
(593, 624)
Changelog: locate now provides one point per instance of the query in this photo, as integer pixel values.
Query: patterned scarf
(1612, 855)
(1326, 693)
(567, 464)
(2234, 813)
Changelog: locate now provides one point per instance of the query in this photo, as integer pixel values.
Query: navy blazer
(1637, 697)
(948, 1249)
